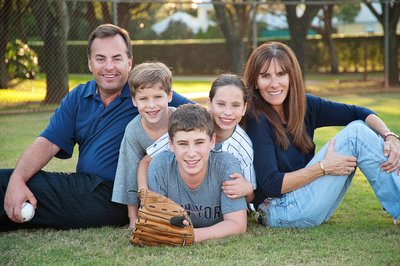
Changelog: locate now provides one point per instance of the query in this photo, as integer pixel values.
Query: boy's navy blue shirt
(82, 119)
(271, 162)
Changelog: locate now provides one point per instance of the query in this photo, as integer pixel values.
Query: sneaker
(261, 213)
(260, 217)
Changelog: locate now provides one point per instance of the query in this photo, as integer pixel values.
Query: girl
(227, 104)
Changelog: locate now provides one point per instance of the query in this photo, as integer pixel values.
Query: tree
(298, 28)
(393, 15)
(177, 30)
(53, 21)
(96, 13)
(345, 12)
(235, 22)
(326, 33)
(124, 16)
(11, 28)
(5, 13)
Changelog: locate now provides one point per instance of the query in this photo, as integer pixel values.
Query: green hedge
(210, 57)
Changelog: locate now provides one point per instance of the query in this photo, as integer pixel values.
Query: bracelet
(322, 167)
(390, 134)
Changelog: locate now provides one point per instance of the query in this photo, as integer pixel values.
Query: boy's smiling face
(192, 150)
(152, 103)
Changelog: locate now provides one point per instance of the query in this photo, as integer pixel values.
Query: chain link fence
(43, 42)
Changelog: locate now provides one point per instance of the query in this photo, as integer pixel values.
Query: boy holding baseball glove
(150, 85)
(191, 175)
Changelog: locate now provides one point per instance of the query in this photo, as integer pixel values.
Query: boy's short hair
(189, 117)
(148, 74)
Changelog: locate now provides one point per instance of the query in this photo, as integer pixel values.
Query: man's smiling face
(110, 63)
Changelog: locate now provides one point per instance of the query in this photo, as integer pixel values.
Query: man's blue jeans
(315, 203)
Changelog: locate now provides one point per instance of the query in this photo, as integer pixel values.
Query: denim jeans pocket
(287, 211)
(290, 198)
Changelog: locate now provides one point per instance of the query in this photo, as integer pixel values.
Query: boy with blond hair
(150, 85)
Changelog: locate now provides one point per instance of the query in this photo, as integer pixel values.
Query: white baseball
(27, 211)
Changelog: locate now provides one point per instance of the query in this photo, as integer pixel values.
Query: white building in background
(196, 24)
(364, 22)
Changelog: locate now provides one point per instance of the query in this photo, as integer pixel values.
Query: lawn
(27, 94)
(359, 233)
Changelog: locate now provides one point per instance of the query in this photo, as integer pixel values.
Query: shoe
(261, 213)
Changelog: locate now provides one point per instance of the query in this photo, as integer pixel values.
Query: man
(94, 116)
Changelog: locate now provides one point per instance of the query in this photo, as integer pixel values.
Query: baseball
(27, 211)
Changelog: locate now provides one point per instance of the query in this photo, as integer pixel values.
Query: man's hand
(17, 193)
(32, 161)
(237, 187)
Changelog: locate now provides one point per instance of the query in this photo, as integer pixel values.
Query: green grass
(359, 233)
(29, 93)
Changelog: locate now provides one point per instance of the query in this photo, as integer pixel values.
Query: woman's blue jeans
(315, 203)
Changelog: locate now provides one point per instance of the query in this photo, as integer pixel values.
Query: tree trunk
(327, 37)
(234, 24)
(5, 13)
(333, 57)
(393, 55)
(394, 15)
(107, 12)
(128, 10)
(91, 17)
(52, 18)
(298, 28)
(21, 10)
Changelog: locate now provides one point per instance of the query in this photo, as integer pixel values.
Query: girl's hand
(237, 187)
(336, 164)
(391, 149)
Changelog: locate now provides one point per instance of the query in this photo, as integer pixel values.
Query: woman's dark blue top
(271, 162)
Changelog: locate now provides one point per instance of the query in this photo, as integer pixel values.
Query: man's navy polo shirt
(82, 119)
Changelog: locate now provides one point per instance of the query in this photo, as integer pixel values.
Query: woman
(295, 187)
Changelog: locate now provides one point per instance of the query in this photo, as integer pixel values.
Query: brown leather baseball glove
(160, 222)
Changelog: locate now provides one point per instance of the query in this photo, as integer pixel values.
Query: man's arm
(233, 223)
(32, 161)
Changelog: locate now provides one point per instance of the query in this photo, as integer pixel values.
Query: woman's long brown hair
(295, 103)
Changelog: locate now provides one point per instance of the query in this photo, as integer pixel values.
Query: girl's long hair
(295, 103)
